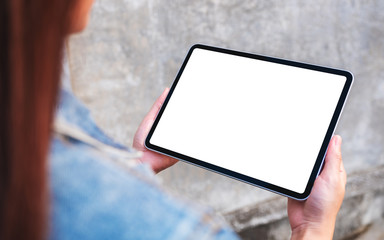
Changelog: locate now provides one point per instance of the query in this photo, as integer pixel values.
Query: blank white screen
(257, 118)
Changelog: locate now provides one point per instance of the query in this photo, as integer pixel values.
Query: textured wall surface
(132, 50)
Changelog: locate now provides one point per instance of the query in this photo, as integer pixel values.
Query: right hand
(315, 217)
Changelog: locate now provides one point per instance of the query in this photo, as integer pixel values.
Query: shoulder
(92, 198)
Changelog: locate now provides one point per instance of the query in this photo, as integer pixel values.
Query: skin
(313, 218)
(78, 22)
(157, 161)
(80, 15)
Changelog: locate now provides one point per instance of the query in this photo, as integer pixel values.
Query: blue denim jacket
(94, 197)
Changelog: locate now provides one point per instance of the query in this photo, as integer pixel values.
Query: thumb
(146, 124)
(333, 160)
(157, 105)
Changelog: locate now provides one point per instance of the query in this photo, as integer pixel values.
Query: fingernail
(337, 140)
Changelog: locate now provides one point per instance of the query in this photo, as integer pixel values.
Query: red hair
(32, 35)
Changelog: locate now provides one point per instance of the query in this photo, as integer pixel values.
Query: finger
(147, 122)
(333, 160)
(344, 173)
(157, 105)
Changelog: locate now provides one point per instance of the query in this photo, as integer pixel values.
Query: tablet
(261, 120)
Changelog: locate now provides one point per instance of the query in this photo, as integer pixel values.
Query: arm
(315, 217)
(157, 161)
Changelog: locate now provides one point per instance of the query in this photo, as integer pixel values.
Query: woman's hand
(157, 161)
(315, 217)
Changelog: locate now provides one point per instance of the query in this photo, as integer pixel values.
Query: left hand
(157, 161)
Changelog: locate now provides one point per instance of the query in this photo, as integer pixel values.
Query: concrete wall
(133, 49)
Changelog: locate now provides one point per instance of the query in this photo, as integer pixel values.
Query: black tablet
(261, 120)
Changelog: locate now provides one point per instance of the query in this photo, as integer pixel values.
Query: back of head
(32, 35)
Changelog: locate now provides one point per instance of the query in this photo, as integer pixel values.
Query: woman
(71, 181)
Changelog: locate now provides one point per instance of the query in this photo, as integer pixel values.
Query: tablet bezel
(235, 175)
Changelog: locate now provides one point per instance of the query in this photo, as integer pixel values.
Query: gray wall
(132, 50)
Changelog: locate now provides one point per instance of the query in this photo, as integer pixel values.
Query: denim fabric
(75, 112)
(94, 198)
